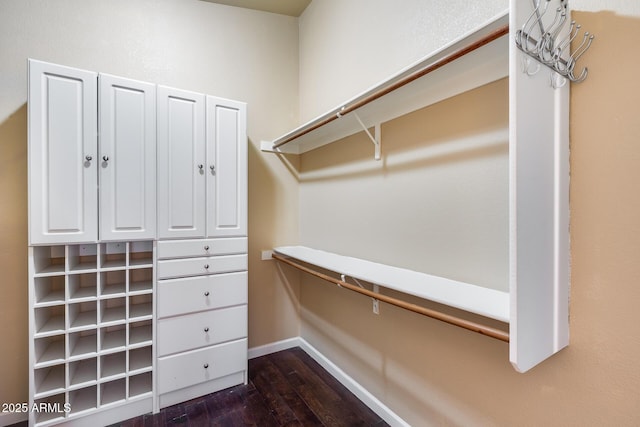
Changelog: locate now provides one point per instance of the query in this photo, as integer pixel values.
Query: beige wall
(230, 52)
(430, 373)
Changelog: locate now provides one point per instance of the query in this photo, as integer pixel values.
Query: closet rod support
(375, 138)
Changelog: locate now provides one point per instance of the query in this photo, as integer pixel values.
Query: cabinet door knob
(206, 294)
(206, 365)
(206, 266)
(206, 329)
(200, 167)
(105, 158)
(213, 168)
(206, 248)
(88, 158)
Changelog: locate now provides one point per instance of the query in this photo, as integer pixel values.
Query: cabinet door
(181, 163)
(226, 168)
(62, 154)
(127, 160)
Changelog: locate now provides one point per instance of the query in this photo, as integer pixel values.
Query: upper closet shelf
(472, 298)
(477, 58)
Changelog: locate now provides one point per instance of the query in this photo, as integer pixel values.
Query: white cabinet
(181, 163)
(63, 154)
(91, 156)
(227, 162)
(113, 163)
(127, 159)
(202, 166)
(202, 317)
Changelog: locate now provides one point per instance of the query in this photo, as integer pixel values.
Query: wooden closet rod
(447, 318)
(402, 82)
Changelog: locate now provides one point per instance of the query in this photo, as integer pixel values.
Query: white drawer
(191, 331)
(201, 247)
(189, 294)
(194, 367)
(198, 266)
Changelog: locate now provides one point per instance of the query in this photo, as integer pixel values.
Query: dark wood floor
(287, 388)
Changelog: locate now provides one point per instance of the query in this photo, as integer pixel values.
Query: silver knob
(206, 266)
(206, 248)
(105, 158)
(88, 158)
(206, 329)
(206, 365)
(200, 167)
(206, 294)
(213, 168)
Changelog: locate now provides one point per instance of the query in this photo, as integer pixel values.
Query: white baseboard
(8, 418)
(274, 347)
(352, 385)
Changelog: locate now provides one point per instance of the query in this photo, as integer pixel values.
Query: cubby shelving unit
(91, 327)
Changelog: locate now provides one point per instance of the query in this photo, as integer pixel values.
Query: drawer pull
(206, 266)
(206, 294)
(206, 365)
(206, 329)
(206, 248)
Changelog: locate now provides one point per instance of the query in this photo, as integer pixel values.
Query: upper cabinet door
(127, 159)
(226, 168)
(181, 163)
(63, 156)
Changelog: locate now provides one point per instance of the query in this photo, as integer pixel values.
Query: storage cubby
(49, 290)
(49, 350)
(83, 399)
(83, 373)
(141, 254)
(49, 380)
(82, 257)
(113, 338)
(140, 280)
(113, 255)
(140, 384)
(82, 287)
(82, 315)
(113, 283)
(140, 306)
(49, 320)
(113, 310)
(48, 260)
(140, 359)
(50, 408)
(140, 333)
(83, 344)
(113, 365)
(113, 391)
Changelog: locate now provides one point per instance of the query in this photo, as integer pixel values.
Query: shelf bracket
(375, 138)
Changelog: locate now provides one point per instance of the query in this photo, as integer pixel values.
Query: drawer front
(199, 266)
(194, 367)
(189, 294)
(201, 247)
(191, 331)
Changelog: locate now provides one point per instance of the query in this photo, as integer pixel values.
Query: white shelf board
(472, 298)
(482, 66)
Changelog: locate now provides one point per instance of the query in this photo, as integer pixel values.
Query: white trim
(274, 347)
(9, 418)
(382, 410)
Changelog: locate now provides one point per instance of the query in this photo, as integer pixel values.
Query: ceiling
(283, 7)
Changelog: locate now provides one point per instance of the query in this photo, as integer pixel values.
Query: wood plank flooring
(287, 388)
